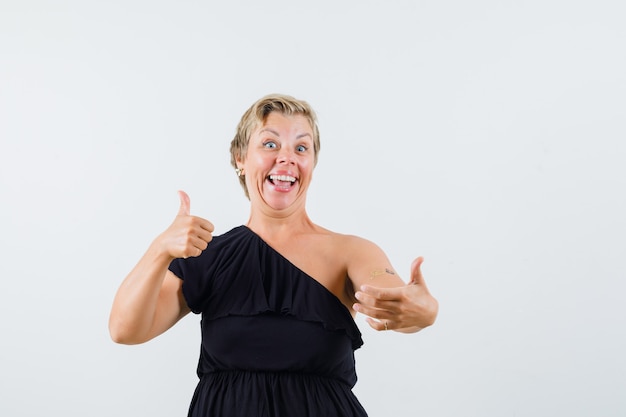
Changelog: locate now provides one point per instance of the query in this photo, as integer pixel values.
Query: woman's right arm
(149, 301)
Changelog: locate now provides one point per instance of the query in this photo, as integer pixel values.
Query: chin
(280, 204)
(280, 200)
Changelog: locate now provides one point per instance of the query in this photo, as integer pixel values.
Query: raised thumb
(185, 204)
(416, 271)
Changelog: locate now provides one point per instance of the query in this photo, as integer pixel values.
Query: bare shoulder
(352, 245)
(353, 252)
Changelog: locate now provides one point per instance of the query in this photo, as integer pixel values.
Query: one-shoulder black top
(275, 342)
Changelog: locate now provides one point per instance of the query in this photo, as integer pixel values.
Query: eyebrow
(276, 133)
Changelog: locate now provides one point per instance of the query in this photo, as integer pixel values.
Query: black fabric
(275, 342)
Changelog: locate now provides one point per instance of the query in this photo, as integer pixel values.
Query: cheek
(257, 168)
(307, 164)
(256, 161)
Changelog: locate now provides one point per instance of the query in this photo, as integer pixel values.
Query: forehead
(281, 124)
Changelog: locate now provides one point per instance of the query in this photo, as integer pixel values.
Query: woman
(277, 296)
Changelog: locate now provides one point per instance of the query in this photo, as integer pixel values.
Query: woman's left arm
(389, 303)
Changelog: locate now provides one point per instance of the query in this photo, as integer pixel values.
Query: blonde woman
(277, 295)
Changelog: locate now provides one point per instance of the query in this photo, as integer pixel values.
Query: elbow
(120, 333)
(117, 335)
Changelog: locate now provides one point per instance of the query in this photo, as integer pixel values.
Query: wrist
(158, 252)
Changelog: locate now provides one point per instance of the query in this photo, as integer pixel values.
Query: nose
(286, 156)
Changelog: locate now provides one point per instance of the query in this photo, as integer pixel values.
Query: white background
(488, 136)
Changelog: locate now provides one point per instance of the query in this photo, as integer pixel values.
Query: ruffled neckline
(294, 266)
(303, 305)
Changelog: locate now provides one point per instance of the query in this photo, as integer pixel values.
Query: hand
(188, 235)
(407, 309)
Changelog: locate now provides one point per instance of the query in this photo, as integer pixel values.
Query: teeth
(282, 178)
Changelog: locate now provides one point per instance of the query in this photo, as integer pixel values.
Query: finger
(206, 225)
(389, 294)
(379, 325)
(204, 233)
(416, 272)
(373, 302)
(373, 312)
(185, 204)
(197, 251)
(199, 243)
(192, 253)
(195, 248)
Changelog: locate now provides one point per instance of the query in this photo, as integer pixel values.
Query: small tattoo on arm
(378, 272)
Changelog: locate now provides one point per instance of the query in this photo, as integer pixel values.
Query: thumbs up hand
(188, 235)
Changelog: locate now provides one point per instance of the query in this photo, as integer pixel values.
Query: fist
(188, 235)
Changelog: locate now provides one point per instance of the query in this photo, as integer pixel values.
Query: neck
(272, 226)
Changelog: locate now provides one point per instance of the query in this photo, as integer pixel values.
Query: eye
(270, 144)
(301, 148)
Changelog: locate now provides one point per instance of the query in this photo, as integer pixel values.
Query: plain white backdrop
(487, 136)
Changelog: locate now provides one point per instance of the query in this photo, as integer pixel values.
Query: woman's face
(279, 161)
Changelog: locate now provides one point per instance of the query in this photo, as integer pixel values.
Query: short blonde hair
(257, 115)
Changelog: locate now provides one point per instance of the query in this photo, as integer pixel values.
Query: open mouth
(282, 180)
